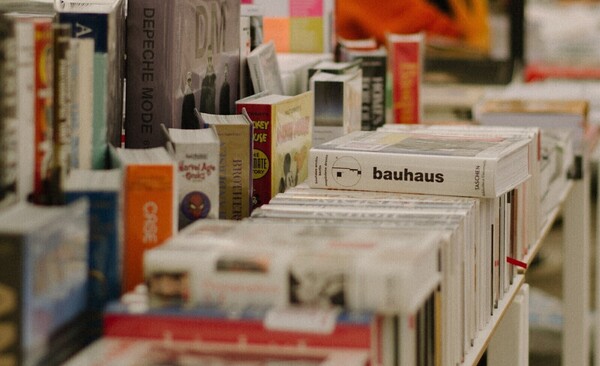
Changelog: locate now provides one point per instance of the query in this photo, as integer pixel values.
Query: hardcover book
(103, 190)
(338, 102)
(104, 22)
(397, 162)
(181, 55)
(197, 156)
(235, 163)
(149, 185)
(283, 128)
(43, 282)
(406, 67)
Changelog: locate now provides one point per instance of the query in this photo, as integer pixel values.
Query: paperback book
(264, 69)
(149, 185)
(197, 156)
(235, 163)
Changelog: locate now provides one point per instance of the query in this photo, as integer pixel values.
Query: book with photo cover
(420, 163)
(181, 55)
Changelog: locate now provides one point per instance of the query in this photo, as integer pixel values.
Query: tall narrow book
(235, 163)
(149, 206)
(197, 154)
(472, 166)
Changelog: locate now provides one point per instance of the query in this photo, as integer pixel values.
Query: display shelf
(534, 250)
(484, 336)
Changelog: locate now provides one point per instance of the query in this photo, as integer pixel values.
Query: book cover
(9, 124)
(396, 162)
(235, 164)
(283, 128)
(43, 253)
(338, 102)
(102, 188)
(104, 22)
(149, 206)
(264, 69)
(197, 156)
(181, 55)
(374, 79)
(406, 67)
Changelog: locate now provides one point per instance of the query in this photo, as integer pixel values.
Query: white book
(264, 69)
(278, 264)
(196, 153)
(338, 103)
(396, 162)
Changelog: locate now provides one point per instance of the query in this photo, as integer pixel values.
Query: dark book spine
(11, 302)
(148, 72)
(373, 96)
(8, 113)
(103, 260)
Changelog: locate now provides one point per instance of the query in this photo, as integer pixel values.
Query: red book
(406, 69)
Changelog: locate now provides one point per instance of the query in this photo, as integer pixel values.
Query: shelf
(534, 250)
(485, 335)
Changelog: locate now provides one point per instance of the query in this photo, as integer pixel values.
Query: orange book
(149, 206)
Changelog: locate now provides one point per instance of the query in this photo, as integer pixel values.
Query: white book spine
(377, 171)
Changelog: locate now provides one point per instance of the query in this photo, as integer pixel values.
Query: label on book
(320, 321)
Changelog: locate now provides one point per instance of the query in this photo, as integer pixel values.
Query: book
(284, 20)
(264, 264)
(44, 278)
(104, 22)
(338, 102)
(294, 68)
(309, 329)
(235, 163)
(406, 68)
(138, 351)
(283, 128)
(264, 69)
(9, 124)
(149, 184)
(396, 162)
(374, 79)
(181, 55)
(103, 190)
(197, 156)
(335, 67)
(34, 98)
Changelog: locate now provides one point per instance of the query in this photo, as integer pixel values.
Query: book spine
(406, 74)
(368, 171)
(96, 27)
(104, 260)
(330, 333)
(263, 139)
(9, 124)
(61, 141)
(147, 72)
(25, 34)
(43, 105)
(235, 174)
(149, 215)
(11, 308)
(373, 96)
